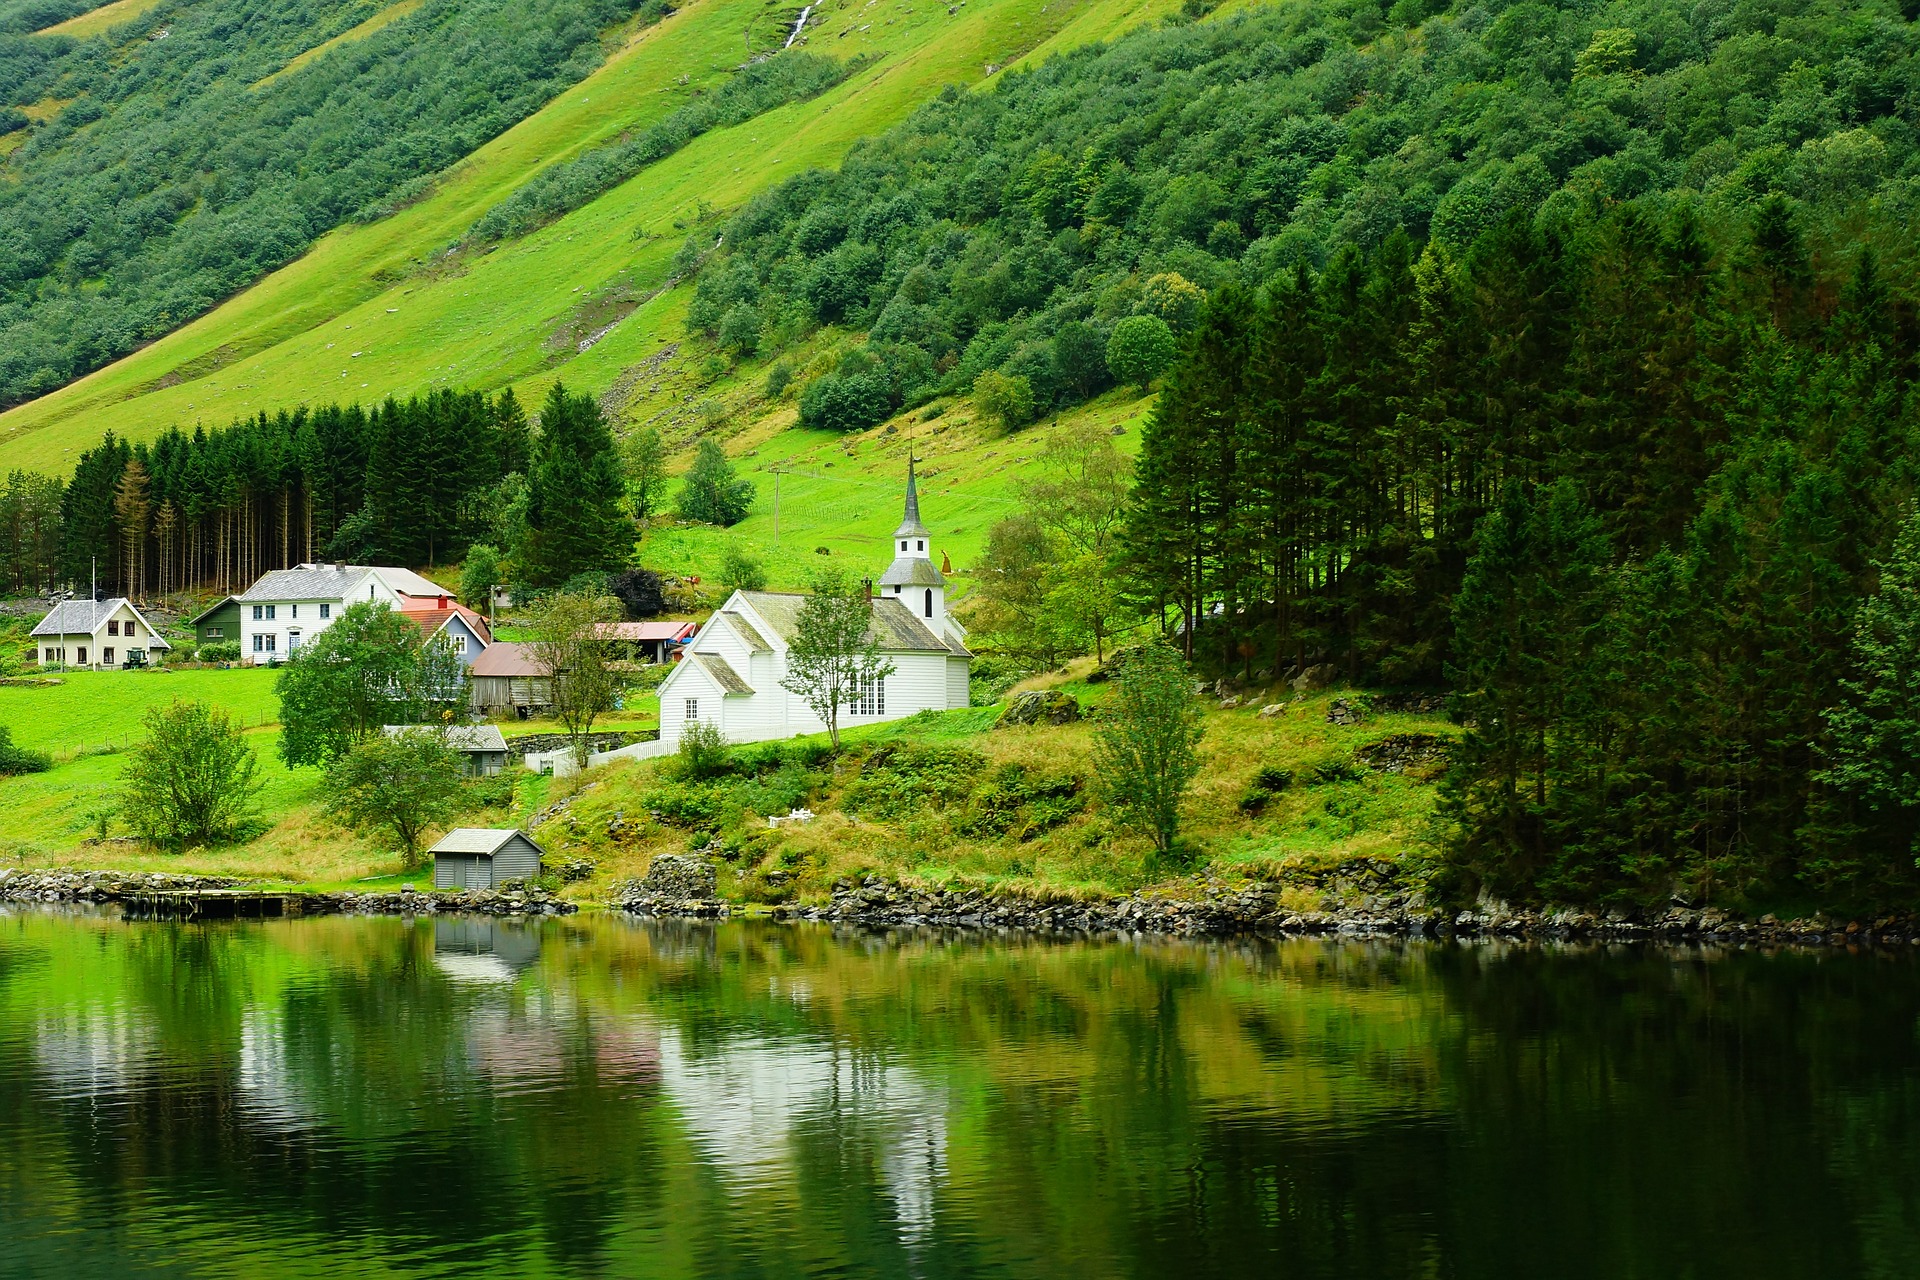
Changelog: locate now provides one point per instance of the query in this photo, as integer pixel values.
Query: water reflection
(591, 1096)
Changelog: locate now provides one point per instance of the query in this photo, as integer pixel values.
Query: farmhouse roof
(305, 582)
(83, 618)
(485, 840)
(406, 582)
(506, 658)
(431, 617)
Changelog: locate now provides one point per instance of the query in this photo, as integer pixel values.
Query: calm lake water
(592, 1097)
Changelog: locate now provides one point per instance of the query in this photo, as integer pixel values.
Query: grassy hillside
(516, 316)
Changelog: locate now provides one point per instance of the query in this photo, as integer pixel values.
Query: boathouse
(483, 858)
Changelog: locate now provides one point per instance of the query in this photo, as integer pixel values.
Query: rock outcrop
(674, 886)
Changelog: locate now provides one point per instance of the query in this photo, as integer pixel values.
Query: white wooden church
(731, 672)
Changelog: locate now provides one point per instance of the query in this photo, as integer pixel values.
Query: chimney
(443, 602)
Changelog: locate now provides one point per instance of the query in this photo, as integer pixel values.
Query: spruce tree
(574, 521)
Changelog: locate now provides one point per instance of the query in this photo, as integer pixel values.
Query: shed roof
(506, 658)
(460, 737)
(648, 630)
(724, 675)
(212, 609)
(83, 618)
(487, 840)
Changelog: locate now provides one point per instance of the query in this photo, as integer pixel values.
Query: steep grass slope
(381, 309)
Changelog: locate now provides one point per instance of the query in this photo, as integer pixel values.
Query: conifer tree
(574, 521)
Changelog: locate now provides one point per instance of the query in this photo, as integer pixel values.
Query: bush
(181, 654)
(703, 751)
(740, 571)
(640, 592)
(17, 760)
(712, 493)
(1006, 398)
(843, 401)
(740, 330)
(901, 781)
(220, 651)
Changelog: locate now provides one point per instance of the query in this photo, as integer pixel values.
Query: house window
(269, 613)
(693, 710)
(929, 603)
(459, 644)
(82, 658)
(326, 611)
(49, 657)
(259, 612)
(213, 633)
(296, 610)
(264, 644)
(869, 699)
(113, 627)
(106, 655)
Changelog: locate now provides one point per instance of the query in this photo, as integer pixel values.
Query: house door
(293, 642)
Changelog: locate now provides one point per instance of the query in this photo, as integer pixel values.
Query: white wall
(302, 616)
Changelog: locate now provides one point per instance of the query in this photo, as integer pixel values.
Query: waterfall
(799, 25)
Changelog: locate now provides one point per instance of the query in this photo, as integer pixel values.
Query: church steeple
(912, 578)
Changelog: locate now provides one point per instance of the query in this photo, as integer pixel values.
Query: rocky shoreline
(125, 887)
(683, 887)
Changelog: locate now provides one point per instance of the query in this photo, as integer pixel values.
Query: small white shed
(483, 857)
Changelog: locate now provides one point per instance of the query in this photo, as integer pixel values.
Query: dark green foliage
(16, 759)
(575, 493)
(900, 782)
(169, 182)
(984, 227)
(368, 669)
(753, 89)
(1021, 801)
(1144, 743)
(712, 494)
(640, 592)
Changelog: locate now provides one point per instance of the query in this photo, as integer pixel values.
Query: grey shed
(483, 857)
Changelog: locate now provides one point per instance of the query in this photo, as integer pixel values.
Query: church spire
(910, 526)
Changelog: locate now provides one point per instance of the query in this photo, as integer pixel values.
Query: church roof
(910, 526)
(912, 571)
(894, 628)
(723, 673)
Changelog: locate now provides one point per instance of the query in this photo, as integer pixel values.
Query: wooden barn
(483, 858)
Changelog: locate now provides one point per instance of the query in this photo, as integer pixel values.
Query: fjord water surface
(593, 1097)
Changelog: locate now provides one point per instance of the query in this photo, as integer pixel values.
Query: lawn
(90, 710)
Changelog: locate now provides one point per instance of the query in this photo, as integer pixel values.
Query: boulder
(1346, 711)
(1040, 706)
(1315, 677)
(675, 885)
(1271, 711)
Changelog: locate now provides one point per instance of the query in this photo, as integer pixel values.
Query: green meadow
(382, 309)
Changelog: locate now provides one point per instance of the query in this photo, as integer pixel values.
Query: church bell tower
(912, 578)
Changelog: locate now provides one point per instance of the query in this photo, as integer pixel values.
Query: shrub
(740, 571)
(220, 651)
(17, 760)
(1006, 398)
(712, 493)
(192, 780)
(703, 751)
(640, 592)
(902, 781)
(1144, 745)
(1021, 800)
(845, 401)
(740, 330)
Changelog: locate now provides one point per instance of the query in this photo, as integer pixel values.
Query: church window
(920, 544)
(869, 699)
(693, 710)
(929, 603)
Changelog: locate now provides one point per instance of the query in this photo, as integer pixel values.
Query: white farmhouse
(97, 634)
(731, 672)
(288, 607)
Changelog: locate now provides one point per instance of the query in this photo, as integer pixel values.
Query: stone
(1230, 702)
(1346, 711)
(1315, 677)
(1271, 711)
(1040, 706)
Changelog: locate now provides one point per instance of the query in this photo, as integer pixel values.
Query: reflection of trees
(595, 1096)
